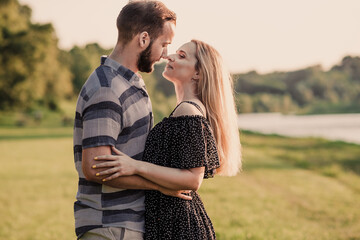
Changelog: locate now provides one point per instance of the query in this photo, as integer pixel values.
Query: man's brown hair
(140, 16)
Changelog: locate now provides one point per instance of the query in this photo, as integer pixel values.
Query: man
(114, 109)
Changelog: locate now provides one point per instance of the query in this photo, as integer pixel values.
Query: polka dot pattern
(180, 142)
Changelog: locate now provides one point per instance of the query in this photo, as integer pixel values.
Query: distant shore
(342, 127)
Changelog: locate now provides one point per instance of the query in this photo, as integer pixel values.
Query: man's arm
(105, 103)
(110, 167)
(126, 182)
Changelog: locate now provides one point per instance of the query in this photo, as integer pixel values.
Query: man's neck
(125, 56)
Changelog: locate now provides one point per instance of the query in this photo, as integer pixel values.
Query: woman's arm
(124, 182)
(171, 178)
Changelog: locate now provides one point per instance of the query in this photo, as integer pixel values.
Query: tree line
(309, 90)
(36, 72)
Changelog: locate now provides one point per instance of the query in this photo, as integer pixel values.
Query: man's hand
(176, 193)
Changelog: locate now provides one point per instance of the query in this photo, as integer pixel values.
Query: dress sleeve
(193, 145)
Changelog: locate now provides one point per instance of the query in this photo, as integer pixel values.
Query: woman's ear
(196, 76)
(144, 40)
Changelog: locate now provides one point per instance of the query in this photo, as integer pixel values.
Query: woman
(198, 139)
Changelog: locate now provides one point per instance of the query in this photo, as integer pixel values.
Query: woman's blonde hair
(215, 90)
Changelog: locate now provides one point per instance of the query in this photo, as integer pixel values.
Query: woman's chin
(166, 76)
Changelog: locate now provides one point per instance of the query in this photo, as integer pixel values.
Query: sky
(260, 35)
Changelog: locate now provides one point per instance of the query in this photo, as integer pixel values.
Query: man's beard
(144, 63)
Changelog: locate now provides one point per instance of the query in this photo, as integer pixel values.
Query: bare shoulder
(187, 109)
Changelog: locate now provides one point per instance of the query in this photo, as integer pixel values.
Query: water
(344, 127)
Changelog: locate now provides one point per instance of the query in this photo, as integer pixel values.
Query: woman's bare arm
(171, 178)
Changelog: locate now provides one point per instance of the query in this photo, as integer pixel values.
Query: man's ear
(144, 40)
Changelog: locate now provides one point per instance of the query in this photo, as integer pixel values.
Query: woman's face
(181, 66)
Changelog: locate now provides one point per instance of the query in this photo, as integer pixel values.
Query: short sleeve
(193, 145)
(101, 119)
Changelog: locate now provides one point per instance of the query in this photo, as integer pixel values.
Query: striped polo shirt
(113, 109)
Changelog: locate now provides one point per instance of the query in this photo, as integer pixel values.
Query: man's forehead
(168, 31)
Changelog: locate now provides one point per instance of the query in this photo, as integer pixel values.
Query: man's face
(157, 49)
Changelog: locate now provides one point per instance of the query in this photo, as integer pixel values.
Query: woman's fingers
(117, 151)
(117, 164)
(105, 164)
(106, 157)
(115, 175)
(108, 171)
(110, 157)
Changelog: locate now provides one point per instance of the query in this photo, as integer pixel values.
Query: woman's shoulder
(189, 108)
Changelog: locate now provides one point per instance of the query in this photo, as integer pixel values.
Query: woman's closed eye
(181, 54)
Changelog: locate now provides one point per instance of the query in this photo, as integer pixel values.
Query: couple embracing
(137, 181)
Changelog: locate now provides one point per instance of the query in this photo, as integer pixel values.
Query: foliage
(82, 61)
(37, 75)
(161, 104)
(31, 71)
(302, 91)
(161, 84)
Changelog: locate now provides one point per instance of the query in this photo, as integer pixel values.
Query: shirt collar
(120, 69)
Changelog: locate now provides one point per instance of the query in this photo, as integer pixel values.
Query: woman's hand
(117, 165)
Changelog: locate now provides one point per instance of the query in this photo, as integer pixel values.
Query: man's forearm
(138, 182)
(129, 182)
(126, 182)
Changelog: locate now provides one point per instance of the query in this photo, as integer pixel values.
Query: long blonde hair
(215, 90)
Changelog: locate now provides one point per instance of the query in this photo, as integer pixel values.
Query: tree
(82, 61)
(30, 69)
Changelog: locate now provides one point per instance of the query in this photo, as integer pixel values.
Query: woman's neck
(184, 92)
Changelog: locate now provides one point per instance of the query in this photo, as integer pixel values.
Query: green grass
(289, 188)
(7, 134)
(37, 190)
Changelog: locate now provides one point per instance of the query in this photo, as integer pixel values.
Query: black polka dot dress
(180, 142)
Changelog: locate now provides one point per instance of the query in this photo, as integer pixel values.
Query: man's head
(152, 25)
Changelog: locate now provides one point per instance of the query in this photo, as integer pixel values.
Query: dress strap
(190, 102)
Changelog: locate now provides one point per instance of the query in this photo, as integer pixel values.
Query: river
(344, 127)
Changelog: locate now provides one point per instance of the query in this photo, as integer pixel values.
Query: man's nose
(164, 54)
(170, 57)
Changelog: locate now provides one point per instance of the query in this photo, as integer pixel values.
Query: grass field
(289, 188)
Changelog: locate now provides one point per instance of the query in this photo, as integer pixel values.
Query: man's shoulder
(104, 79)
